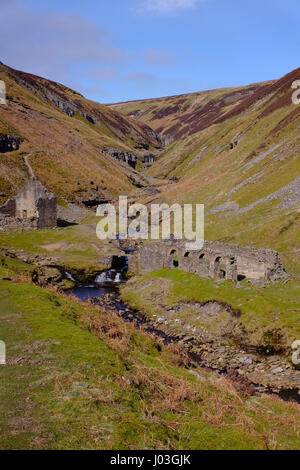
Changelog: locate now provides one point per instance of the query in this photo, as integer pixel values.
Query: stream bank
(274, 373)
(107, 297)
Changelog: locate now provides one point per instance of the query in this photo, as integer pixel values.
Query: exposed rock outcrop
(9, 143)
(124, 156)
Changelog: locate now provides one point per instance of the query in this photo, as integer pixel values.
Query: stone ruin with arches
(215, 260)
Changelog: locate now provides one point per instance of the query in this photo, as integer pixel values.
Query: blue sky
(118, 50)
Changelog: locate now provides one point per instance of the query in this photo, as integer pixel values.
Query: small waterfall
(69, 276)
(102, 277)
(111, 276)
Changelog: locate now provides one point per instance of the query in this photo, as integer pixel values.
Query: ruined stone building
(216, 260)
(33, 208)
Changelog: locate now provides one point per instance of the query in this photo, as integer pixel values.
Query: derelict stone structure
(216, 260)
(33, 208)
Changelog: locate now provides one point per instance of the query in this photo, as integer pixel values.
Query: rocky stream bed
(252, 370)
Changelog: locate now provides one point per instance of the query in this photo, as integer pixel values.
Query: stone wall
(33, 208)
(216, 260)
(12, 224)
(9, 208)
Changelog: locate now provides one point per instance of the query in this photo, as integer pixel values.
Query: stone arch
(174, 261)
(187, 254)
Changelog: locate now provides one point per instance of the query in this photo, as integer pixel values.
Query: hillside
(78, 148)
(97, 374)
(238, 152)
(176, 117)
(77, 378)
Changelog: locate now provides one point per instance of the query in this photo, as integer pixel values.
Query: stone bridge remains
(216, 260)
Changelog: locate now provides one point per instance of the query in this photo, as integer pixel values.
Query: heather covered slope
(176, 117)
(65, 135)
(243, 164)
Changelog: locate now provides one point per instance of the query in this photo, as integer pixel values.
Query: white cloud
(166, 6)
(51, 44)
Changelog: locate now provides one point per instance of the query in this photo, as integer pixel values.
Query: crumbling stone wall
(216, 260)
(9, 208)
(12, 224)
(33, 208)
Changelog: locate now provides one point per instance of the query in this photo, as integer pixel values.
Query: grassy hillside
(77, 378)
(64, 133)
(238, 152)
(261, 310)
(176, 117)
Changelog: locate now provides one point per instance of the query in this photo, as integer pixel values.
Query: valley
(167, 354)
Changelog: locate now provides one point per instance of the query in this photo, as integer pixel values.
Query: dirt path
(26, 161)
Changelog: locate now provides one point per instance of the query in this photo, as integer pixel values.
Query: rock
(81, 384)
(47, 275)
(277, 370)
(9, 143)
(122, 155)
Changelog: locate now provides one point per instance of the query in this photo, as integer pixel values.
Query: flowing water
(104, 292)
(87, 292)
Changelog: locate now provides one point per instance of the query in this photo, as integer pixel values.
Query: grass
(275, 307)
(77, 378)
(75, 246)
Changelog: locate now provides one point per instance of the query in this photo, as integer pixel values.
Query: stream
(104, 292)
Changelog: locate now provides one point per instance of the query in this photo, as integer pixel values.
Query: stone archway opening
(241, 277)
(175, 262)
(187, 254)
